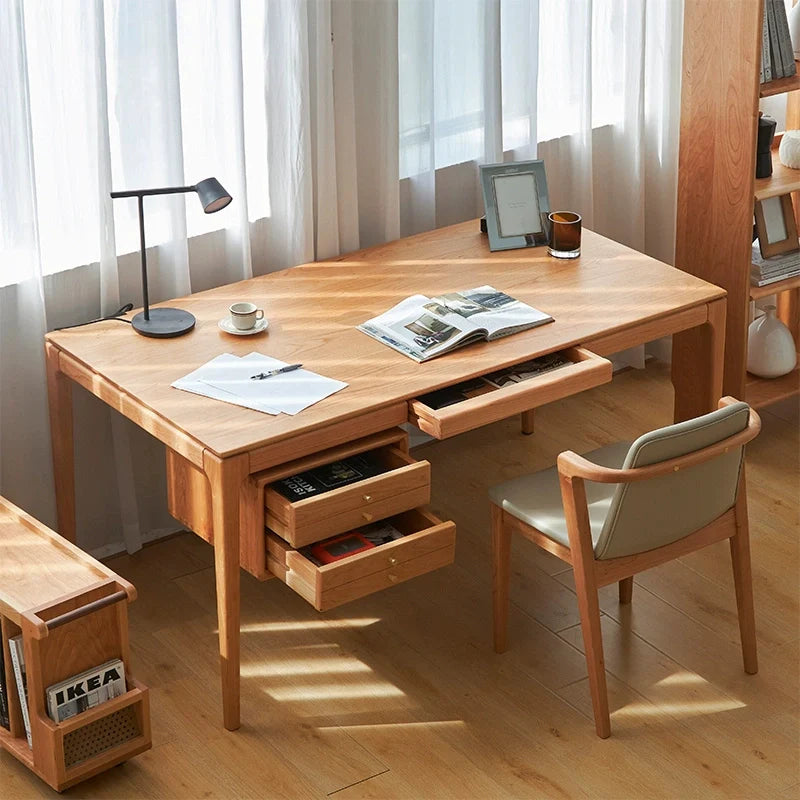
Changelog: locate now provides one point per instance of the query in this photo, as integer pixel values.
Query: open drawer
(586, 370)
(402, 484)
(427, 544)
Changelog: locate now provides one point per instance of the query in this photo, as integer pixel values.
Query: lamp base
(164, 323)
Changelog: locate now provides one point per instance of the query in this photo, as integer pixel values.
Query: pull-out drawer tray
(586, 371)
(403, 485)
(427, 544)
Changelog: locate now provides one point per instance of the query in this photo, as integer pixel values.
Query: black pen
(262, 375)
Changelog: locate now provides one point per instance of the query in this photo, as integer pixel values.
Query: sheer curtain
(335, 124)
(138, 93)
(468, 84)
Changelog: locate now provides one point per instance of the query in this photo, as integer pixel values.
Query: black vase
(766, 132)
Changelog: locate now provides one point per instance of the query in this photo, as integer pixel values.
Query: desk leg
(59, 395)
(698, 362)
(225, 477)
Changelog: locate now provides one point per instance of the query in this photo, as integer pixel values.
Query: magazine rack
(73, 615)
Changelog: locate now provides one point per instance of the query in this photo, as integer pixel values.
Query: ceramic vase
(789, 149)
(794, 29)
(770, 347)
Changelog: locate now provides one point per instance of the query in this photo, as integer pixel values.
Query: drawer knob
(392, 561)
(367, 517)
(392, 577)
(367, 498)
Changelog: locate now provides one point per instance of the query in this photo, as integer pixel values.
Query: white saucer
(226, 325)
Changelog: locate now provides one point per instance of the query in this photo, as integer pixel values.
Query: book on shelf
(784, 40)
(774, 45)
(329, 476)
(764, 271)
(766, 64)
(17, 651)
(86, 690)
(516, 373)
(423, 328)
(4, 717)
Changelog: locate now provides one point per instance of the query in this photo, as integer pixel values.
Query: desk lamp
(163, 323)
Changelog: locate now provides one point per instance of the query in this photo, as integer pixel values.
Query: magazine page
(422, 328)
(494, 311)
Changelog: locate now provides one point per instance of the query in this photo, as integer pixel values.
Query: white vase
(789, 148)
(770, 347)
(794, 30)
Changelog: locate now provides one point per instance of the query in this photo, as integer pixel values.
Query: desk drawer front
(427, 544)
(404, 485)
(586, 371)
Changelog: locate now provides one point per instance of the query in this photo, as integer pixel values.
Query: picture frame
(517, 204)
(776, 226)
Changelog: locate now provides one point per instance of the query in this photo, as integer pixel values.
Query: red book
(339, 547)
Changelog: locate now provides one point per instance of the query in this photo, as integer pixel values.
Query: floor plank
(400, 695)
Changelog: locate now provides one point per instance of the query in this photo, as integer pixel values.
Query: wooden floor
(400, 696)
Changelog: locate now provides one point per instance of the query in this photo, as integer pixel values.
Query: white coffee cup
(245, 315)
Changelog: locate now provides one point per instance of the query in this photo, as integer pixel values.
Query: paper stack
(229, 378)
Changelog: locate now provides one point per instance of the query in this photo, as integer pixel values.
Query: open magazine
(423, 328)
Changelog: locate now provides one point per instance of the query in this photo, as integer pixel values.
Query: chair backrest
(655, 512)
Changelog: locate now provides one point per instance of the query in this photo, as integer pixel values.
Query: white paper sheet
(290, 392)
(193, 383)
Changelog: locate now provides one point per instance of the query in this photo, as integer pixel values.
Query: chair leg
(743, 581)
(593, 645)
(501, 566)
(625, 590)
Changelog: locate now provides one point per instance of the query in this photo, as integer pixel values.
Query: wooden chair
(672, 491)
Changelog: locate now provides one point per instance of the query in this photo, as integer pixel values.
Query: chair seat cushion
(536, 499)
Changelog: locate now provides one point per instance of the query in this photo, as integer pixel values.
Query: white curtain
(468, 84)
(98, 95)
(609, 112)
(335, 124)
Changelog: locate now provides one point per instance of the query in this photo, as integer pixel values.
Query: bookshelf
(716, 178)
(72, 614)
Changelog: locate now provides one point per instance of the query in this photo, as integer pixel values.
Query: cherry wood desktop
(221, 458)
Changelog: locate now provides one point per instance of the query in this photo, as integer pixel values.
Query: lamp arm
(148, 192)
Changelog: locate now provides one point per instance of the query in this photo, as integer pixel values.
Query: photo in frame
(775, 226)
(517, 204)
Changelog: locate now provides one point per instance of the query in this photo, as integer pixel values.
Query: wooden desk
(609, 299)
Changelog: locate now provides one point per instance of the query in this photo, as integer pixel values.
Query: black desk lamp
(166, 322)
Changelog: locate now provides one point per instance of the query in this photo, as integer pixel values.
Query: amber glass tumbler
(565, 234)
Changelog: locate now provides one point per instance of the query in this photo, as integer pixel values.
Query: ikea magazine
(423, 328)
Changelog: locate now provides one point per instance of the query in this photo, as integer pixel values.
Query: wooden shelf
(781, 85)
(71, 612)
(17, 746)
(774, 288)
(782, 181)
(765, 391)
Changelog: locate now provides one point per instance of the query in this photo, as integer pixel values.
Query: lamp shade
(213, 196)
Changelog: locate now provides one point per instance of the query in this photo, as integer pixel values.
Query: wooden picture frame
(517, 204)
(776, 226)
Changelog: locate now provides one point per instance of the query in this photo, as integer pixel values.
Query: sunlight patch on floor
(333, 691)
(309, 624)
(678, 709)
(440, 723)
(304, 666)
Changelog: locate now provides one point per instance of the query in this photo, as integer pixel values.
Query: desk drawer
(404, 485)
(585, 371)
(427, 544)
